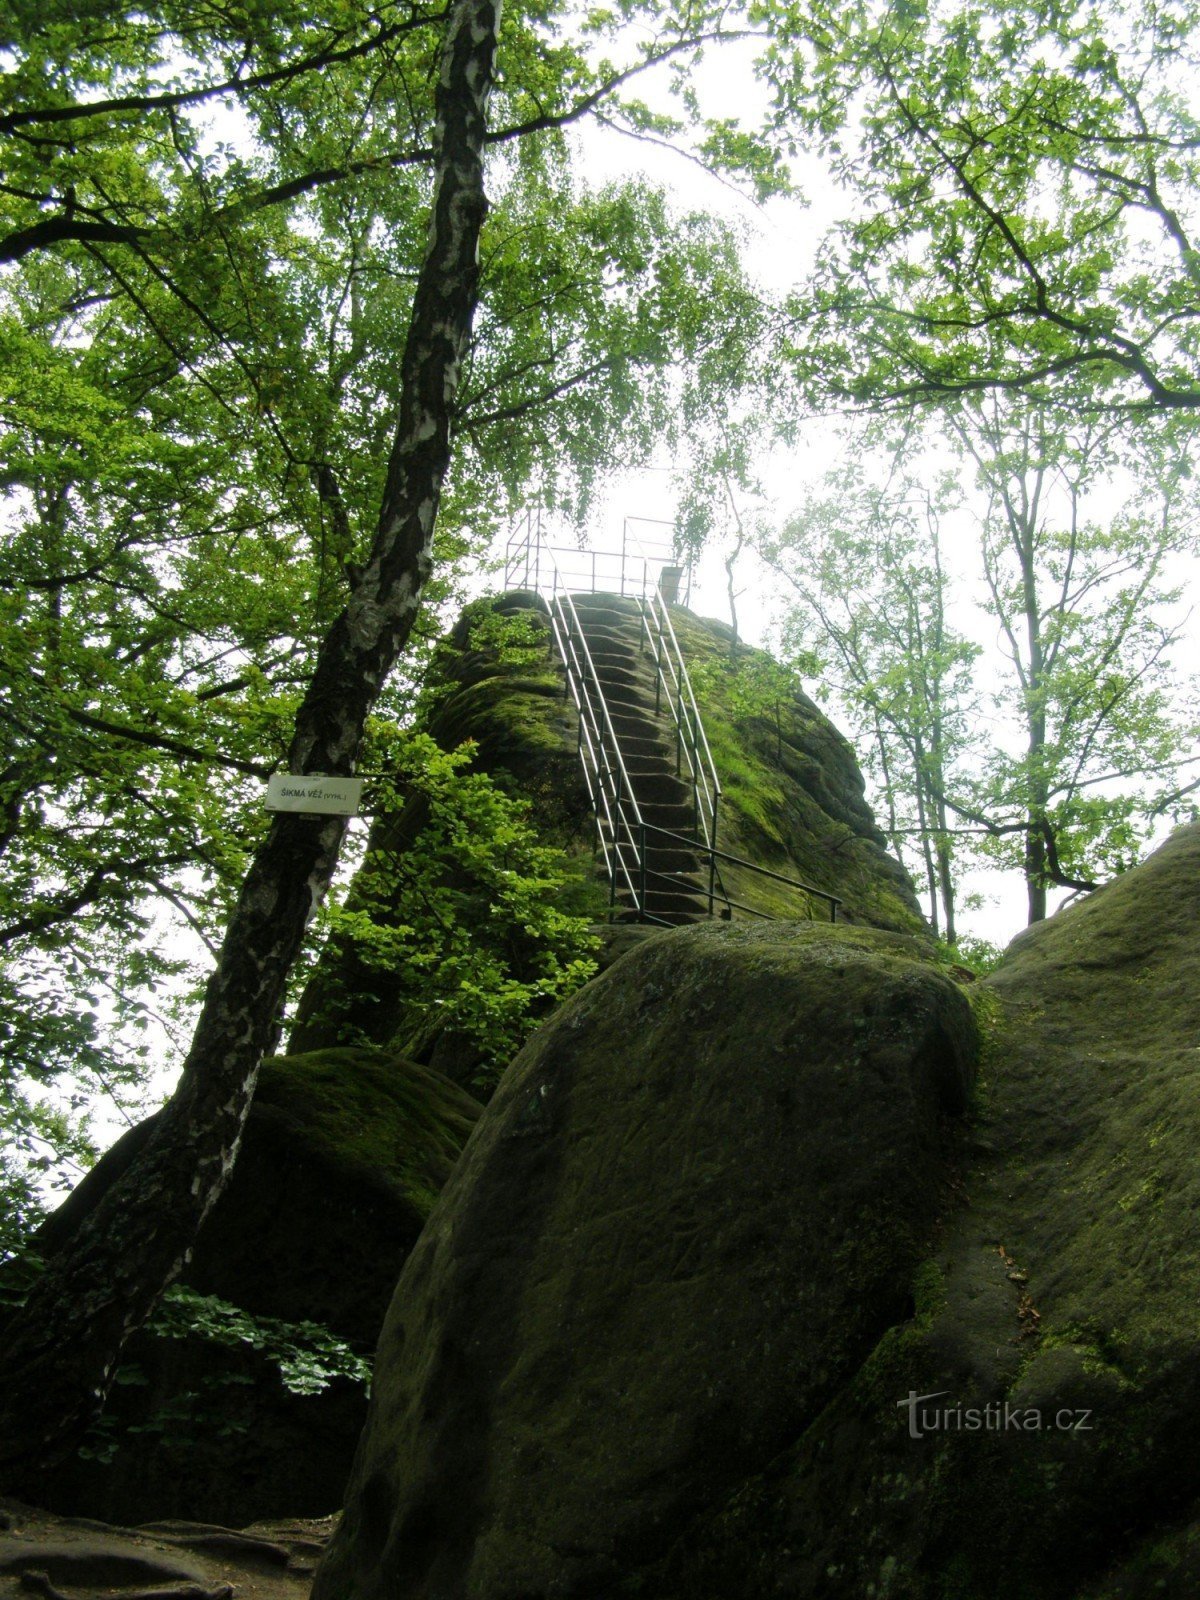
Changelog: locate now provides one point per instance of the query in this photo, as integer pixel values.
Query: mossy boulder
(1056, 1339)
(343, 1156)
(697, 1199)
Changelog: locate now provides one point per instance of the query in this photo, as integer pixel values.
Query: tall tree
(1077, 560)
(62, 1347)
(197, 409)
(205, 321)
(871, 601)
(1080, 547)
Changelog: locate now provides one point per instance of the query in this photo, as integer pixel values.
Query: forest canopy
(215, 219)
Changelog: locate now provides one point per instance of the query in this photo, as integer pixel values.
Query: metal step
(676, 877)
(660, 788)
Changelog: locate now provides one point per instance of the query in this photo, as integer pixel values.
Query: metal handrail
(833, 900)
(524, 561)
(524, 555)
(621, 813)
(620, 826)
(690, 738)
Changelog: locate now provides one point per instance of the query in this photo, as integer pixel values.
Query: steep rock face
(343, 1156)
(794, 798)
(696, 1200)
(794, 802)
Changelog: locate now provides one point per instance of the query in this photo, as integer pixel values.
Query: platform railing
(622, 831)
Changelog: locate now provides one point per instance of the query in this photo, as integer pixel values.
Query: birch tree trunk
(60, 1351)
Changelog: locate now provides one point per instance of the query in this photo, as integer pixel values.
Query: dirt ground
(71, 1558)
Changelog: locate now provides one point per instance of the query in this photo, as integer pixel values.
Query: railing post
(616, 837)
(712, 856)
(642, 868)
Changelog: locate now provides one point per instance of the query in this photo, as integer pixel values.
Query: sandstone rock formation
(793, 802)
(695, 1203)
(348, 1143)
(717, 1307)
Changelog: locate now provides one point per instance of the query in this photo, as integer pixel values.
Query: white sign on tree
(331, 797)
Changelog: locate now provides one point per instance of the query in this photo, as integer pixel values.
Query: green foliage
(870, 610)
(981, 955)
(464, 921)
(1022, 183)
(509, 638)
(211, 222)
(1077, 540)
(308, 1355)
(1090, 742)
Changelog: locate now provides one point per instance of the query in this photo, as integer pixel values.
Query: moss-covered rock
(697, 1199)
(509, 702)
(751, 1335)
(793, 796)
(793, 802)
(1059, 1345)
(343, 1156)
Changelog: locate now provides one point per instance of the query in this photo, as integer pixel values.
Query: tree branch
(144, 104)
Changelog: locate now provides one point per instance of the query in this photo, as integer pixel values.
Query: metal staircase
(659, 803)
(642, 746)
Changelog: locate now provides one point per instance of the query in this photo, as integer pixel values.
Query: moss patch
(793, 796)
(381, 1115)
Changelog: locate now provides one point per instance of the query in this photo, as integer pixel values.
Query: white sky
(782, 238)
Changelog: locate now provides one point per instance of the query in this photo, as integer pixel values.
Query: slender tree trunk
(937, 656)
(730, 562)
(889, 790)
(61, 1349)
(925, 830)
(1035, 730)
(1035, 871)
(945, 866)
